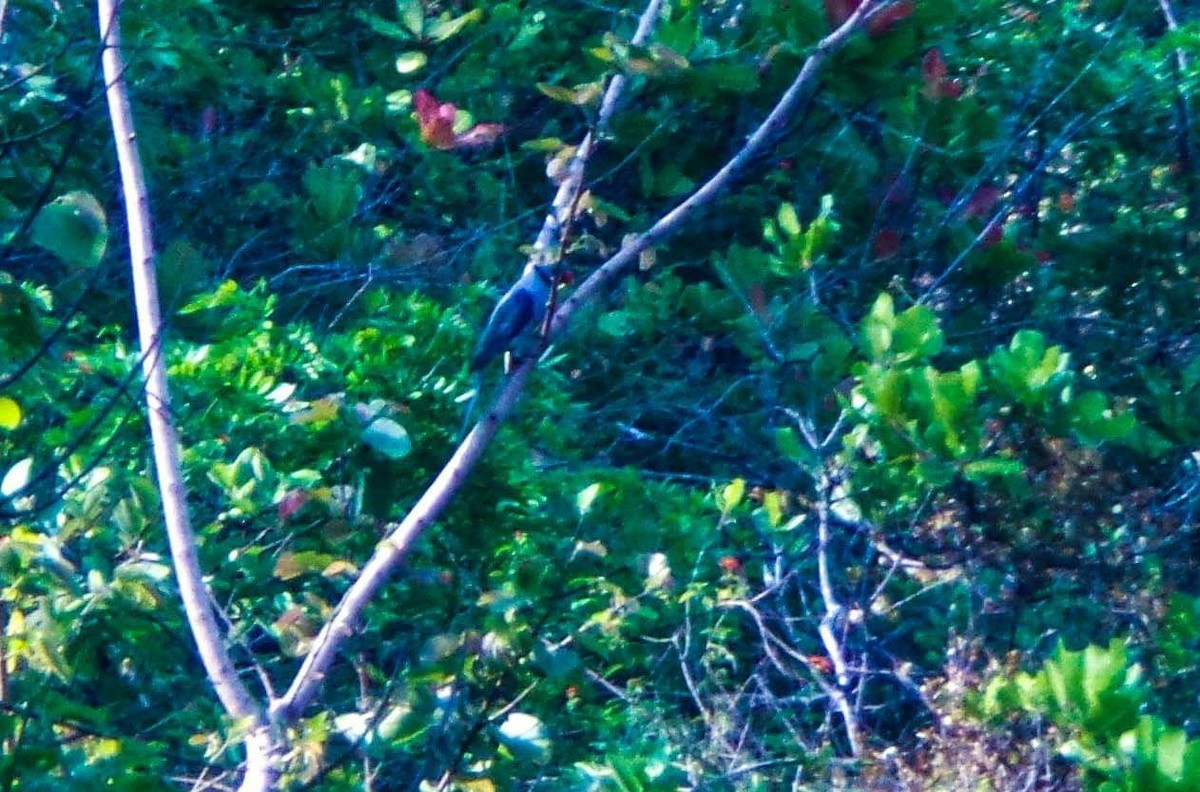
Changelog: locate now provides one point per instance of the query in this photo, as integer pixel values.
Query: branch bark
(1183, 120)
(261, 772)
(443, 489)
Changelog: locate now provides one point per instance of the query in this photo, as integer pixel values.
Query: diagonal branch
(443, 489)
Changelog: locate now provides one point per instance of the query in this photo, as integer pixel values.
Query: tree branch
(439, 494)
(235, 698)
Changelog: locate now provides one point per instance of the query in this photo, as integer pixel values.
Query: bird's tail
(469, 412)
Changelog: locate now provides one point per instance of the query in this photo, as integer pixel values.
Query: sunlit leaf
(388, 438)
(10, 413)
(16, 478)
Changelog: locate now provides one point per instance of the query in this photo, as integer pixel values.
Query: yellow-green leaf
(732, 494)
(409, 62)
(10, 413)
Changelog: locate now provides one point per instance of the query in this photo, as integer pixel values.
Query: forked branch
(439, 494)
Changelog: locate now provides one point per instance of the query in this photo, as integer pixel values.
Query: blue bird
(522, 306)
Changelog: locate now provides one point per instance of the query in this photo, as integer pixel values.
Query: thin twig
(834, 610)
(1002, 214)
(1183, 121)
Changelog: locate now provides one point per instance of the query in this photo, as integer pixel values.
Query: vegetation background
(881, 473)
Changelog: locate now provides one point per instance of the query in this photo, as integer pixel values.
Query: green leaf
(73, 228)
(789, 221)
(388, 438)
(18, 320)
(993, 467)
(615, 324)
(1094, 420)
(391, 30)
(412, 15)
(334, 191)
(181, 270)
(732, 494)
(917, 335)
(448, 27)
(878, 326)
(819, 234)
(788, 441)
(587, 496)
(773, 506)
(584, 95)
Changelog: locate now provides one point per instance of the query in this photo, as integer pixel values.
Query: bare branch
(1183, 118)
(235, 698)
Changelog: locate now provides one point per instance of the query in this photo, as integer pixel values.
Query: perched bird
(521, 307)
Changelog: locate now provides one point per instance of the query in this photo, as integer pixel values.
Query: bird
(522, 306)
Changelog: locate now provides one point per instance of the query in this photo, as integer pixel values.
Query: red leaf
(983, 201)
(887, 244)
(838, 11)
(478, 135)
(885, 20)
(952, 89)
(992, 235)
(934, 71)
(933, 68)
(208, 122)
(436, 120)
(292, 503)
(821, 663)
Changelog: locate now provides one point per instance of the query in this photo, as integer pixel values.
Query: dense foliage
(835, 489)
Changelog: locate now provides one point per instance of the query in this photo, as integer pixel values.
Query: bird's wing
(509, 319)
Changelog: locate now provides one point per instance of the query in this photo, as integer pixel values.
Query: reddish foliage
(821, 663)
(992, 235)
(887, 244)
(292, 503)
(952, 89)
(933, 67)
(757, 298)
(885, 20)
(983, 201)
(838, 11)
(934, 71)
(436, 120)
